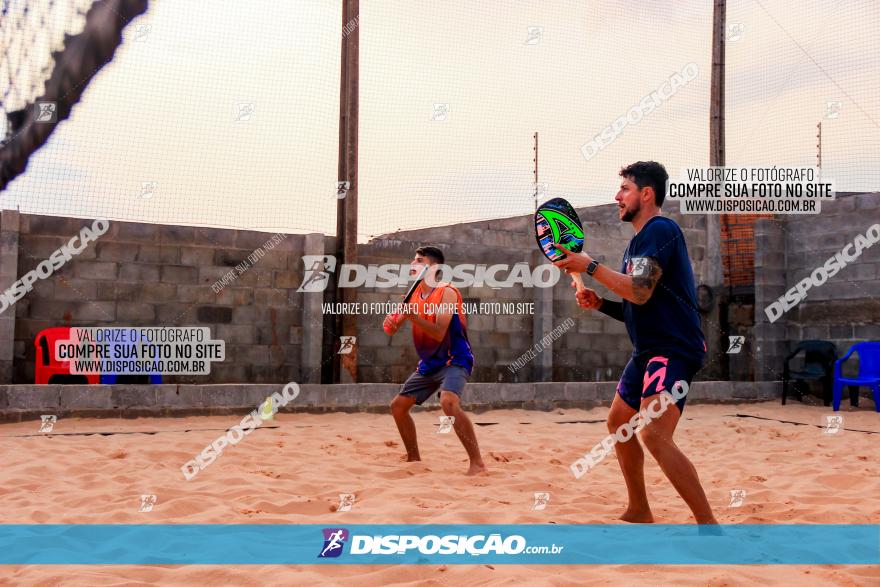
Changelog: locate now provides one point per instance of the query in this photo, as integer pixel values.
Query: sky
(225, 112)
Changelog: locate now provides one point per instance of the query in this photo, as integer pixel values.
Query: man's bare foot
(476, 469)
(411, 458)
(637, 517)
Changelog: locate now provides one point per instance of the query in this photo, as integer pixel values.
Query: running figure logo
(737, 498)
(147, 503)
(346, 344)
(735, 344)
(318, 269)
(446, 423)
(441, 112)
(47, 423)
(346, 501)
(535, 33)
(45, 112)
(638, 266)
(541, 500)
(244, 111)
(833, 424)
(148, 189)
(334, 540)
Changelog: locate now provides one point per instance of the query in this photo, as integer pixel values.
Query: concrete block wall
(845, 309)
(9, 225)
(141, 274)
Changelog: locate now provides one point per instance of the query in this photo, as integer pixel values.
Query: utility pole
(716, 120)
(819, 148)
(714, 274)
(714, 267)
(345, 365)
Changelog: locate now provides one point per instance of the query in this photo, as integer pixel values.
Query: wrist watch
(591, 268)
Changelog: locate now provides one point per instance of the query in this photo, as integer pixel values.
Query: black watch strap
(591, 268)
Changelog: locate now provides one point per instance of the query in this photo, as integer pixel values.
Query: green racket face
(558, 229)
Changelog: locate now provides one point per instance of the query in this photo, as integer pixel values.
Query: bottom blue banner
(545, 544)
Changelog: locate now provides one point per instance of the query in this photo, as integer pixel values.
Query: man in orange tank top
(446, 361)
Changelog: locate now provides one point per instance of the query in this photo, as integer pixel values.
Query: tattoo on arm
(645, 278)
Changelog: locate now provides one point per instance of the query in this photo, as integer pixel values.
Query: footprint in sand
(268, 474)
(840, 481)
(397, 474)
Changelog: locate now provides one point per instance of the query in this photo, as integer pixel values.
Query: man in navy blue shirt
(659, 309)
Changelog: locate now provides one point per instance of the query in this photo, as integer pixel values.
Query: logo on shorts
(334, 541)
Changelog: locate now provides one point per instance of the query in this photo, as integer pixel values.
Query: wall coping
(28, 402)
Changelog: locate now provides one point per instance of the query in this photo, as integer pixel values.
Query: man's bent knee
(653, 438)
(400, 405)
(449, 401)
(617, 418)
(615, 422)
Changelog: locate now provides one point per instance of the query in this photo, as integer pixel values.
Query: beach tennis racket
(409, 293)
(558, 230)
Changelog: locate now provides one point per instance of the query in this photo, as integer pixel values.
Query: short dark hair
(648, 173)
(431, 252)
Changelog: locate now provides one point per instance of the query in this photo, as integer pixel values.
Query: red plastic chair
(48, 368)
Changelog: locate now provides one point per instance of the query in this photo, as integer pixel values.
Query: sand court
(293, 469)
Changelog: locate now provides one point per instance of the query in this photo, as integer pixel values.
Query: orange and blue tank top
(454, 348)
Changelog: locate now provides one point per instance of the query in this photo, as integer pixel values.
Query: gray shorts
(450, 378)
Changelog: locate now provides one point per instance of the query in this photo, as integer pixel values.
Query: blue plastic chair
(869, 372)
(146, 378)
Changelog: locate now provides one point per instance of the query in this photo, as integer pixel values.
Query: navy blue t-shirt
(668, 323)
